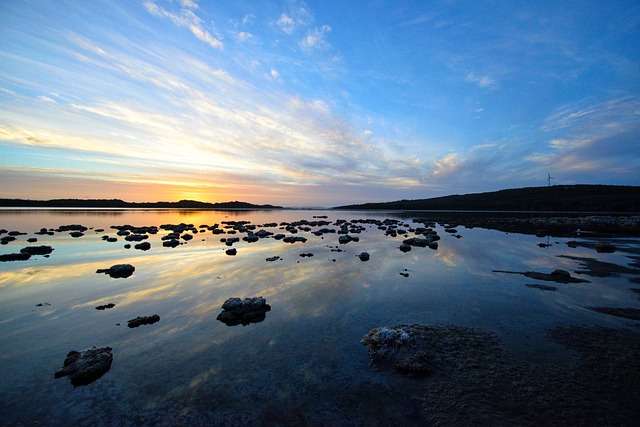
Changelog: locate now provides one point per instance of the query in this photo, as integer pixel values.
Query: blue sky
(315, 103)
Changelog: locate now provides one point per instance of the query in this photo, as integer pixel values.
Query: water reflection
(302, 358)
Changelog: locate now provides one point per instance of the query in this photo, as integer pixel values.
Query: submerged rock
(236, 311)
(84, 367)
(105, 306)
(625, 312)
(143, 320)
(118, 270)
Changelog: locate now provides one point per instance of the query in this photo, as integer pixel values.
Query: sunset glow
(314, 103)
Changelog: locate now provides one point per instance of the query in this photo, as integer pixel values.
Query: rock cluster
(236, 311)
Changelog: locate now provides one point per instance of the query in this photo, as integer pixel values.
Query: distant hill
(117, 203)
(562, 198)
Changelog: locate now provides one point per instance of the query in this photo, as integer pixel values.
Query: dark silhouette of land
(558, 198)
(117, 203)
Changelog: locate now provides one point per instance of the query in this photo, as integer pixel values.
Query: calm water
(304, 363)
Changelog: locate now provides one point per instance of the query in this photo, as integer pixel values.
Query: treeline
(117, 203)
(561, 198)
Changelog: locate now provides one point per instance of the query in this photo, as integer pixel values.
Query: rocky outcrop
(84, 367)
(143, 320)
(118, 271)
(236, 311)
(14, 257)
(37, 250)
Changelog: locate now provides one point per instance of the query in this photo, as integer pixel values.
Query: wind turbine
(549, 179)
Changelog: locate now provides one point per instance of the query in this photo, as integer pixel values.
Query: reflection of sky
(308, 345)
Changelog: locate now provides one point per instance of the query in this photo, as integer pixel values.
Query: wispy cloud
(316, 39)
(186, 18)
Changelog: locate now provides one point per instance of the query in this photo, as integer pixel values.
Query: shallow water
(304, 363)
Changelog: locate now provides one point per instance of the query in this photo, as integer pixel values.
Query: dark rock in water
(36, 250)
(144, 246)
(127, 246)
(32, 239)
(417, 241)
(405, 248)
(85, 367)
(16, 233)
(136, 237)
(231, 252)
(625, 312)
(43, 304)
(364, 256)
(111, 239)
(118, 270)
(236, 311)
(6, 239)
(143, 320)
(76, 234)
(607, 248)
(15, 257)
(172, 243)
(272, 258)
(559, 276)
(306, 255)
(294, 239)
(542, 287)
(106, 306)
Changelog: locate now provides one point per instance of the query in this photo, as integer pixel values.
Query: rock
(32, 239)
(37, 250)
(127, 246)
(559, 276)
(405, 248)
(364, 256)
(293, 239)
(415, 364)
(625, 312)
(111, 239)
(344, 239)
(118, 270)
(172, 243)
(106, 306)
(541, 287)
(136, 237)
(273, 258)
(249, 310)
(144, 246)
(251, 238)
(85, 367)
(231, 252)
(306, 255)
(15, 257)
(43, 304)
(602, 247)
(378, 338)
(143, 320)
(6, 239)
(76, 234)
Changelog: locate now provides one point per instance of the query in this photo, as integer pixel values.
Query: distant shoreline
(112, 204)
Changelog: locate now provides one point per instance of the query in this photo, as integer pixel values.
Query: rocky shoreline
(469, 379)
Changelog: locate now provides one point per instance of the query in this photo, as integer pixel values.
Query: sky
(316, 103)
